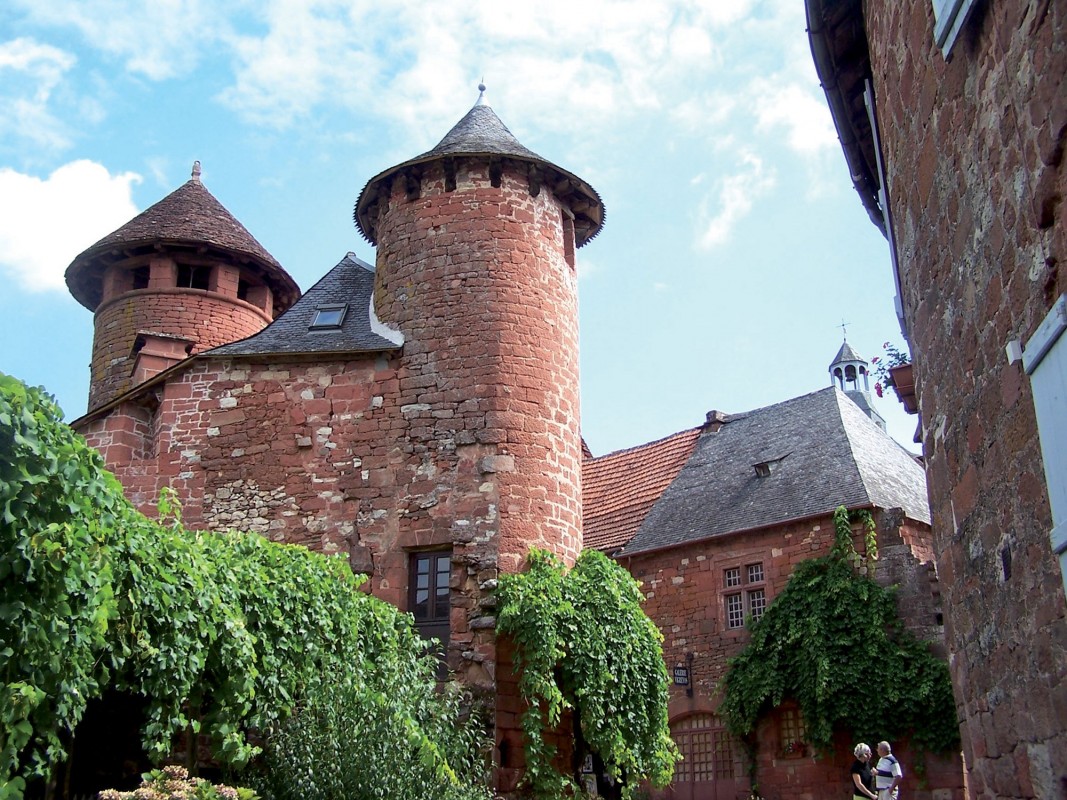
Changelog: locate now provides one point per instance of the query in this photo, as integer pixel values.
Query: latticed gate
(711, 766)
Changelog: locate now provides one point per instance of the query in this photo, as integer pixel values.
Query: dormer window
(328, 318)
(765, 468)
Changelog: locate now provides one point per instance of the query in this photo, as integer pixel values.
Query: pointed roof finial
(196, 171)
(844, 330)
(481, 93)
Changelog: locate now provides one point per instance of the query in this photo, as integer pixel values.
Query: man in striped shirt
(888, 773)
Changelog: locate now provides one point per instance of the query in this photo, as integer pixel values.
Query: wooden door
(711, 766)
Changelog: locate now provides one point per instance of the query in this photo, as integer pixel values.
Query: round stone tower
(181, 277)
(476, 270)
(475, 267)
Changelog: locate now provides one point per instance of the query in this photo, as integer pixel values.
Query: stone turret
(181, 277)
(475, 268)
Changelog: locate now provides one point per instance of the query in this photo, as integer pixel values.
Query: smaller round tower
(182, 277)
(849, 372)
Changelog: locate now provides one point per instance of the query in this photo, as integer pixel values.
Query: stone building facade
(953, 119)
(714, 520)
(422, 418)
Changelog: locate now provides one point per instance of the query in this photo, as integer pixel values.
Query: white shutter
(949, 16)
(1045, 361)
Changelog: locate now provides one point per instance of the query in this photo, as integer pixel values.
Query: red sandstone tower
(475, 268)
(180, 278)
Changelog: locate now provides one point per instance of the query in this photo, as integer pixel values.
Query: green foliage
(224, 634)
(584, 644)
(832, 641)
(349, 743)
(173, 783)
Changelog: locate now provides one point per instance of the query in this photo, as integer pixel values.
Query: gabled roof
(618, 489)
(349, 284)
(797, 459)
(482, 133)
(188, 216)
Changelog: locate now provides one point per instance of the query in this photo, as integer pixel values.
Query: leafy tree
(584, 645)
(224, 634)
(832, 640)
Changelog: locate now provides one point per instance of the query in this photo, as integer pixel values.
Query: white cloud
(407, 62)
(44, 224)
(159, 40)
(24, 100)
(805, 118)
(736, 194)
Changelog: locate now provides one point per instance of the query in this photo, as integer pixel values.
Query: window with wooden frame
(428, 593)
(709, 752)
(744, 594)
(791, 732)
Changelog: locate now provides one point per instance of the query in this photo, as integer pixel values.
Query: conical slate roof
(846, 353)
(482, 133)
(189, 216)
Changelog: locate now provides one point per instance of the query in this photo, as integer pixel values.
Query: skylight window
(328, 317)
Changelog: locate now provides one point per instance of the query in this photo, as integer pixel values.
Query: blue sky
(734, 248)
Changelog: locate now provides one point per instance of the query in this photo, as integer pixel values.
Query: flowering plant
(174, 783)
(794, 747)
(894, 357)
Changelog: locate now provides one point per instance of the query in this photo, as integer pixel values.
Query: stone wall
(974, 154)
(207, 319)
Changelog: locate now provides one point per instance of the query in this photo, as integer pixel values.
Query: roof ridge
(636, 447)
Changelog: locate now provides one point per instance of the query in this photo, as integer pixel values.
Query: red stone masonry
(477, 281)
(489, 452)
(974, 151)
(206, 318)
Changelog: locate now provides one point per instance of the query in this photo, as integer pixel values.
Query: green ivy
(833, 642)
(584, 645)
(223, 634)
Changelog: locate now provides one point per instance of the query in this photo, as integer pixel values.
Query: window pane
(757, 603)
(735, 614)
(732, 576)
(422, 605)
(755, 573)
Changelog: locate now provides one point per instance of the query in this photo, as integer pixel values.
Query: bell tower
(850, 373)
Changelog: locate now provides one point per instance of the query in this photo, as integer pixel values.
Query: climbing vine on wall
(222, 633)
(584, 645)
(833, 642)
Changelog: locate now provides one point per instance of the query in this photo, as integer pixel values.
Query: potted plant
(895, 371)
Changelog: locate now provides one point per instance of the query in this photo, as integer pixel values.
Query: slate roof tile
(482, 133)
(349, 283)
(821, 451)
